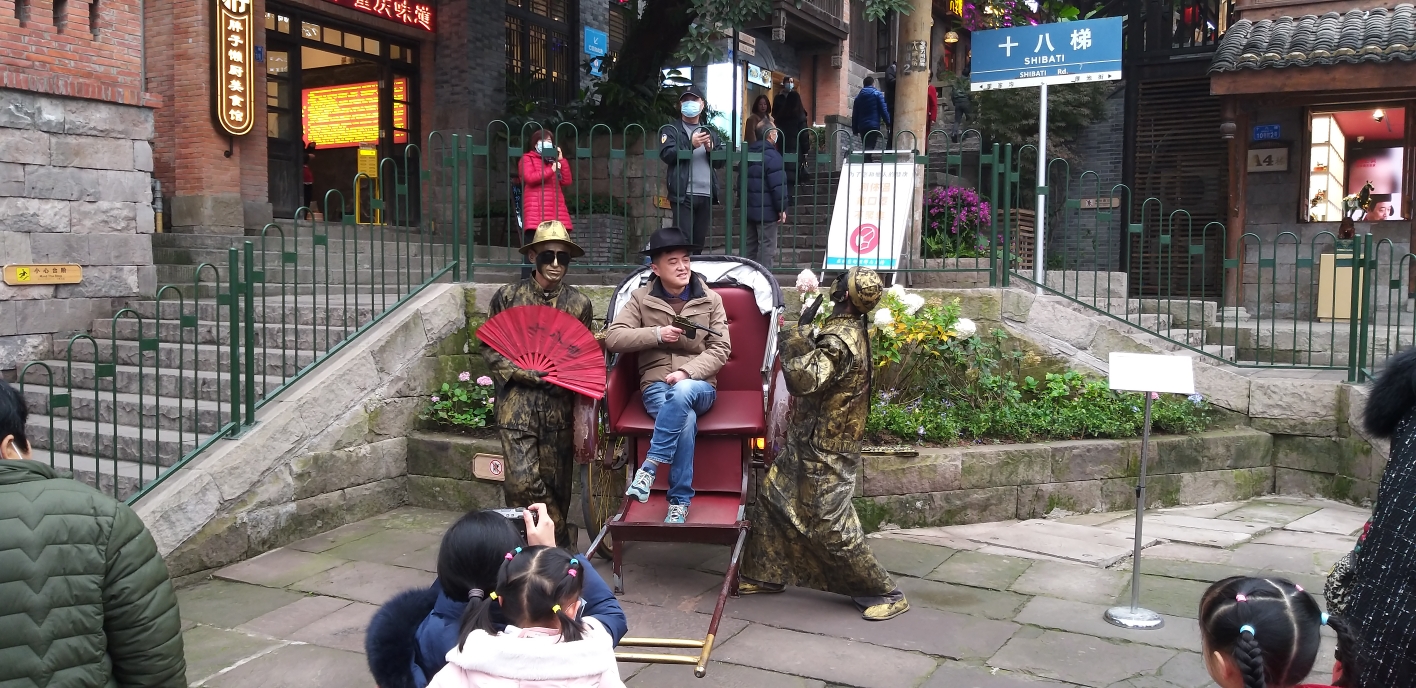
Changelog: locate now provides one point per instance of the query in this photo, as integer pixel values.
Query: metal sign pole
(1134, 617)
(1039, 273)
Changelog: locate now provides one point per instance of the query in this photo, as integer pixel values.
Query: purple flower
(484, 381)
(435, 398)
(464, 376)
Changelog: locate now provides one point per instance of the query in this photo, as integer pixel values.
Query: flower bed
(938, 381)
(463, 406)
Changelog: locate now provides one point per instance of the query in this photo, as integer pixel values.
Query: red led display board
(348, 115)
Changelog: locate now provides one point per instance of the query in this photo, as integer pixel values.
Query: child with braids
(1264, 633)
(538, 593)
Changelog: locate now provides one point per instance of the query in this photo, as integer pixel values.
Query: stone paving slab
(1030, 539)
(1069, 581)
(647, 621)
(909, 558)
(1335, 520)
(1183, 534)
(1220, 524)
(285, 621)
(824, 658)
(980, 570)
(1318, 541)
(299, 666)
(1069, 531)
(664, 586)
(1173, 596)
(364, 581)
(338, 536)
(720, 675)
(279, 568)
(1076, 617)
(1020, 554)
(940, 537)
(989, 604)
(936, 632)
(1182, 552)
(209, 650)
(1272, 513)
(228, 605)
(960, 675)
(1082, 659)
(1217, 510)
(387, 547)
(342, 630)
(1277, 558)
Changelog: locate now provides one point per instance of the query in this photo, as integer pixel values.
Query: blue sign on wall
(597, 42)
(1061, 53)
(1267, 132)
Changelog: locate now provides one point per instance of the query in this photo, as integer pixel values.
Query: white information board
(874, 204)
(1152, 373)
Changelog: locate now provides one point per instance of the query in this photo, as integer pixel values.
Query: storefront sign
(38, 275)
(1267, 132)
(406, 12)
(347, 116)
(233, 73)
(759, 76)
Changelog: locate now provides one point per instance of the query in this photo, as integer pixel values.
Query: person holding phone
(544, 171)
(692, 179)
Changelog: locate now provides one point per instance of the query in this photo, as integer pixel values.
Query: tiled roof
(1379, 35)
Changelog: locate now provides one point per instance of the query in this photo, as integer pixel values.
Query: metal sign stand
(1039, 270)
(1135, 617)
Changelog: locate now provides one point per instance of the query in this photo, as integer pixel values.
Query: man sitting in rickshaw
(806, 531)
(680, 329)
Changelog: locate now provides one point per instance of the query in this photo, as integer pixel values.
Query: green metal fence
(163, 379)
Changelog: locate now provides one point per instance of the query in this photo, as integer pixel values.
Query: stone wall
(75, 187)
(330, 450)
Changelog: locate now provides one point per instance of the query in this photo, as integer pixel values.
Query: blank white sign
(1152, 373)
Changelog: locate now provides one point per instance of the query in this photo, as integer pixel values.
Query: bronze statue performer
(534, 417)
(806, 531)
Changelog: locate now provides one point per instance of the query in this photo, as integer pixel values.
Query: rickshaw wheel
(604, 488)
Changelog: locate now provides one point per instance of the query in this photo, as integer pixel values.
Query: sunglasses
(557, 257)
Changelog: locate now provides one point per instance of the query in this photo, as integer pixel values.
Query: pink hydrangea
(435, 398)
(464, 376)
(484, 381)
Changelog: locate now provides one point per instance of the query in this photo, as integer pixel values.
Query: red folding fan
(551, 341)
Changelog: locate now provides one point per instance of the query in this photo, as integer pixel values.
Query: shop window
(310, 31)
(540, 59)
(277, 22)
(1352, 151)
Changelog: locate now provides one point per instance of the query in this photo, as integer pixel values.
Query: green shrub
(462, 405)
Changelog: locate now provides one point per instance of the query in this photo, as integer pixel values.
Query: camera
(517, 517)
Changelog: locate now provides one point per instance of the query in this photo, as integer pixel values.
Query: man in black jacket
(686, 149)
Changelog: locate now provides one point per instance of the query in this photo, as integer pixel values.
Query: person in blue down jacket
(869, 113)
(765, 201)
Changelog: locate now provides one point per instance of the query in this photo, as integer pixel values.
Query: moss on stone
(871, 513)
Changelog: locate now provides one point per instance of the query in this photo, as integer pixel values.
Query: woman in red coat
(543, 173)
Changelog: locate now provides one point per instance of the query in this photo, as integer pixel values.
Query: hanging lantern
(951, 37)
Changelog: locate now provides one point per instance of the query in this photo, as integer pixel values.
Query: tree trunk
(652, 42)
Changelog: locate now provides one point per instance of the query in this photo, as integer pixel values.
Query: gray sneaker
(639, 488)
(678, 513)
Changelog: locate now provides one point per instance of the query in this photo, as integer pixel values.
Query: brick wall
(79, 61)
(471, 63)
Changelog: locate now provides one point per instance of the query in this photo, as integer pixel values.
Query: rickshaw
(745, 427)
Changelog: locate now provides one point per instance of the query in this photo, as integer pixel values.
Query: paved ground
(1004, 605)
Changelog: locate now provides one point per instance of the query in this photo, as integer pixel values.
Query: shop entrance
(339, 98)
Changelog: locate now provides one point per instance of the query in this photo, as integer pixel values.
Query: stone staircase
(154, 382)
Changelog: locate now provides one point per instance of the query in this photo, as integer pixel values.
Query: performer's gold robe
(536, 422)
(805, 531)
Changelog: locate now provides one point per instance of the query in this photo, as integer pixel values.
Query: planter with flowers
(462, 406)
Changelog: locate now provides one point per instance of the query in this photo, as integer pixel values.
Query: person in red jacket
(543, 172)
(933, 108)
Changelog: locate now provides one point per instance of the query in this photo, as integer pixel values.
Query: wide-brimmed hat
(666, 239)
(548, 231)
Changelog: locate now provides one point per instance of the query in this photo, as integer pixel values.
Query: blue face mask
(690, 108)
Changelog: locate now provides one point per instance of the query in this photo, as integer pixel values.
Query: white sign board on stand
(871, 218)
(1152, 373)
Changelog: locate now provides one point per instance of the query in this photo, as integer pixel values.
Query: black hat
(667, 239)
(690, 93)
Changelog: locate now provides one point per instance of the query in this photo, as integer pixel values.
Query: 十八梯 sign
(1062, 53)
(233, 77)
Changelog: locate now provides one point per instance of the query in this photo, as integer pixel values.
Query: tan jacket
(635, 329)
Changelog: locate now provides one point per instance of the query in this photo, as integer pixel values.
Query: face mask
(690, 108)
(789, 87)
(545, 146)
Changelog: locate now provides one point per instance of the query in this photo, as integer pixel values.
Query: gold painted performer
(535, 418)
(806, 531)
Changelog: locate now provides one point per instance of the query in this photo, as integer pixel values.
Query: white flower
(807, 282)
(883, 317)
(896, 290)
(965, 328)
(912, 303)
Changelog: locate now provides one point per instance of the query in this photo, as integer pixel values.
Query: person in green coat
(85, 600)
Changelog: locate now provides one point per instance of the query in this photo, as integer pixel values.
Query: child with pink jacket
(544, 646)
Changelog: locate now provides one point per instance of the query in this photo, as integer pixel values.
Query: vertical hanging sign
(233, 77)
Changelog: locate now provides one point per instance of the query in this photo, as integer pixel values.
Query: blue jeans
(675, 411)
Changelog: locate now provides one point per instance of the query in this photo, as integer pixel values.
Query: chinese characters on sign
(1064, 53)
(35, 275)
(407, 12)
(347, 116)
(234, 80)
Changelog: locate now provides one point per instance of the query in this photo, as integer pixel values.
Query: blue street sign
(1267, 132)
(1061, 53)
(260, 53)
(597, 42)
